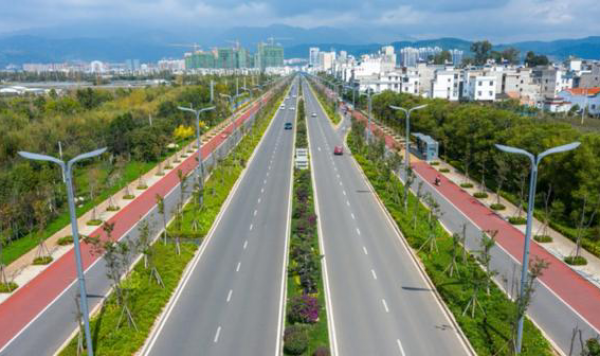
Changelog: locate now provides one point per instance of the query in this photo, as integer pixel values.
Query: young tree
(40, 209)
(160, 205)
(144, 247)
(417, 204)
(488, 240)
(587, 215)
(502, 170)
(93, 180)
(453, 266)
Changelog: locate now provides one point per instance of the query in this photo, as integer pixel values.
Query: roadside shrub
(480, 195)
(576, 260)
(517, 220)
(295, 340)
(542, 238)
(113, 208)
(43, 260)
(593, 346)
(445, 170)
(321, 351)
(303, 309)
(497, 207)
(129, 196)
(8, 287)
(434, 163)
(466, 185)
(95, 222)
(67, 240)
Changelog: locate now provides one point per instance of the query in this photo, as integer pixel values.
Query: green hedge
(488, 333)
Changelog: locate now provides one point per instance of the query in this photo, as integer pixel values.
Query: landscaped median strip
(306, 331)
(485, 318)
(146, 297)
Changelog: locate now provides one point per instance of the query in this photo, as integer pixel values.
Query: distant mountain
(152, 44)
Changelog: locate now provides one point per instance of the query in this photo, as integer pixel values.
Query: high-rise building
(269, 55)
(457, 57)
(410, 57)
(313, 57)
(226, 58)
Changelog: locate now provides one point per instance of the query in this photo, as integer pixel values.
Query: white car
(292, 108)
(314, 114)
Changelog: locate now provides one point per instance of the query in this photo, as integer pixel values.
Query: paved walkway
(29, 300)
(568, 285)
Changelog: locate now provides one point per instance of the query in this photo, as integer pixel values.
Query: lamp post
(200, 168)
(233, 103)
(535, 161)
(67, 169)
(407, 145)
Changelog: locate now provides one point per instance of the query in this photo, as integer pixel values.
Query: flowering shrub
(321, 351)
(303, 309)
(295, 340)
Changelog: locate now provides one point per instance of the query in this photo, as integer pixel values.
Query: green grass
(146, 298)
(489, 333)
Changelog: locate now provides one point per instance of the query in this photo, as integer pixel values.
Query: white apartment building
(479, 87)
(446, 85)
(313, 57)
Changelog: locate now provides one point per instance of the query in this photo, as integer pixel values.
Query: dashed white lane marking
(338, 176)
(229, 295)
(217, 335)
(245, 244)
(251, 226)
(385, 306)
(347, 203)
(237, 269)
(343, 191)
(374, 274)
(400, 347)
(258, 200)
(262, 190)
(353, 217)
(319, 148)
(265, 181)
(357, 231)
(255, 212)
(341, 183)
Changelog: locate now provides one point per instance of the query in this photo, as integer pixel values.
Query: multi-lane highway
(48, 301)
(380, 301)
(232, 302)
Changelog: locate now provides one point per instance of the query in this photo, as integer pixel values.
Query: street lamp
(407, 144)
(535, 161)
(233, 103)
(200, 168)
(67, 170)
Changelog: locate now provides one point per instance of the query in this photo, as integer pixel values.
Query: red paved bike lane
(30, 300)
(572, 288)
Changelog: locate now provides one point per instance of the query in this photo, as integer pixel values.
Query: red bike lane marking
(572, 288)
(26, 303)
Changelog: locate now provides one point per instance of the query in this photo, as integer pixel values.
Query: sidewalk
(47, 283)
(577, 292)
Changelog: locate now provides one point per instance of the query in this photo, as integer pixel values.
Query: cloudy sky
(383, 20)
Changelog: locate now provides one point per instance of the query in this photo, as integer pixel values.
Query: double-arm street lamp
(67, 170)
(407, 112)
(535, 161)
(200, 167)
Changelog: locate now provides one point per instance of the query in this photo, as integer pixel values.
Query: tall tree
(481, 51)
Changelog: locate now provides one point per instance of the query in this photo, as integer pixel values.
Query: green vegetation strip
(145, 297)
(327, 104)
(306, 318)
(490, 330)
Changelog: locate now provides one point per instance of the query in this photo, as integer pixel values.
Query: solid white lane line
(237, 269)
(400, 347)
(353, 217)
(217, 335)
(357, 231)
(229, 295)
(255, 212)
(385, 306)
(245, 244)
(374, 274)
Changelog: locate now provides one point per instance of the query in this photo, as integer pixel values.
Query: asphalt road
(55, 323)
(381, 304)
(232, 303)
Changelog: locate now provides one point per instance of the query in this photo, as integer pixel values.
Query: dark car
(287, 126)
(338, 150)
